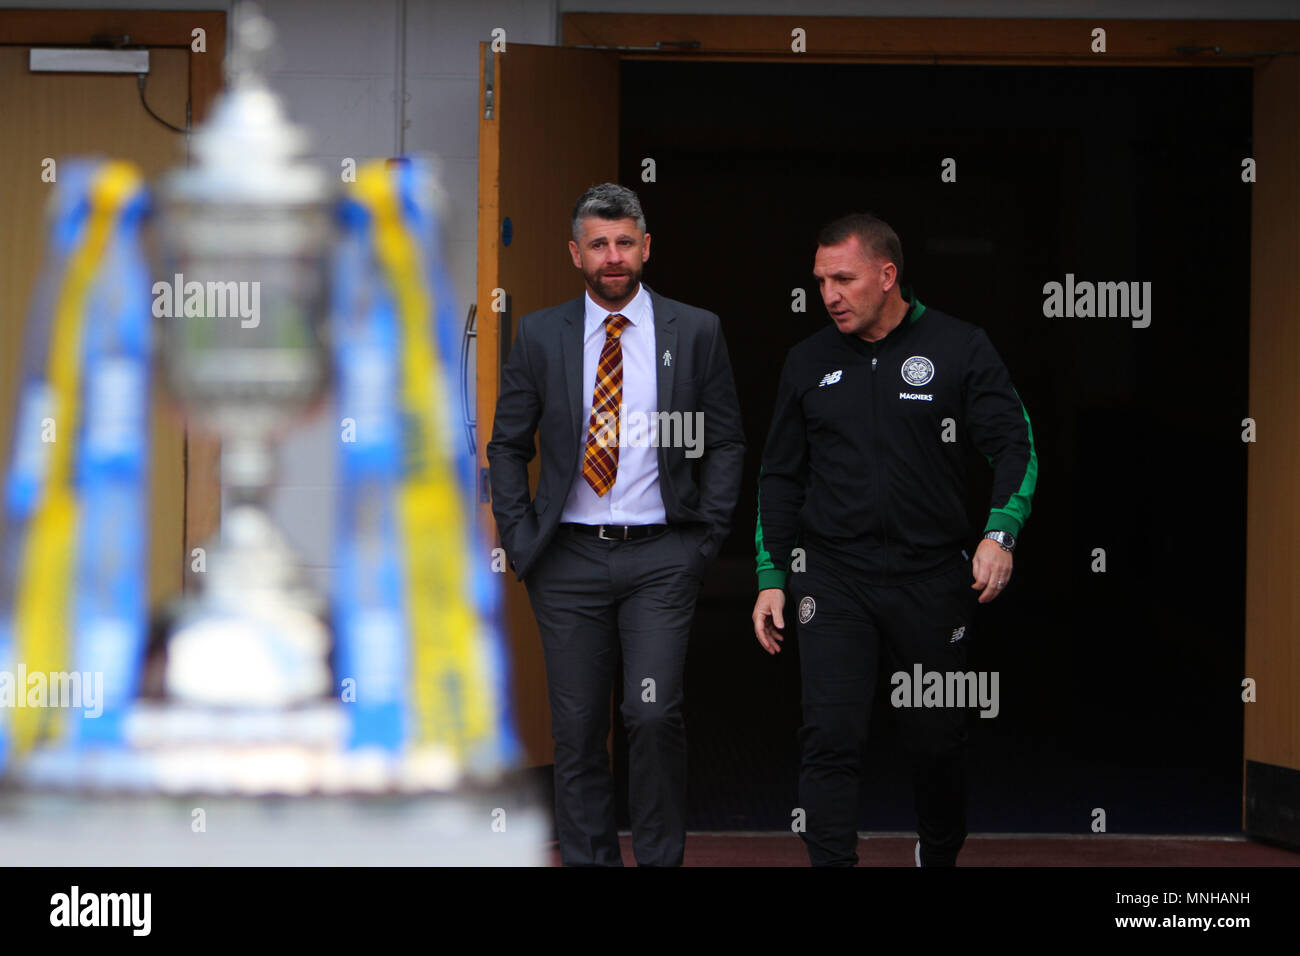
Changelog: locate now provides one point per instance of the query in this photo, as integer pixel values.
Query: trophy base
(196, 786)
(254, 635)
(187, 749)
(509, 827)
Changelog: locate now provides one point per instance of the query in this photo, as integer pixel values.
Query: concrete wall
(339, 73)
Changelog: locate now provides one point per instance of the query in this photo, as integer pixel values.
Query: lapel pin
(668, 357)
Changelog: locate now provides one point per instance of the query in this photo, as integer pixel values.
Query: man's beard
(613, 290)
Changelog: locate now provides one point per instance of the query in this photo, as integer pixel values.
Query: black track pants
(844, 626)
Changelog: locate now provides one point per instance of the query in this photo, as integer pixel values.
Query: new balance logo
(830, 378)
(957, 634)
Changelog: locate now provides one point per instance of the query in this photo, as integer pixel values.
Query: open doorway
(1108, 686)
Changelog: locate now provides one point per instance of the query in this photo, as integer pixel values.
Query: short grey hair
(607, 201)
(875, 237)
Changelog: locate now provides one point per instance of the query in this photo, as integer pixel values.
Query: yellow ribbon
(42, 605)
(451, 687)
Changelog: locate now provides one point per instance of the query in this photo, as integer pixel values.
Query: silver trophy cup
(245, 235)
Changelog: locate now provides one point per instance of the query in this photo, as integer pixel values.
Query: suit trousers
(845, 629)
(592, 598)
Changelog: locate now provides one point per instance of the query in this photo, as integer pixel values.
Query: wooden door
(64, 115)
(1272, 720)
(548, 129)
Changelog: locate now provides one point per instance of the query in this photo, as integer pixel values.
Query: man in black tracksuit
(863, 471)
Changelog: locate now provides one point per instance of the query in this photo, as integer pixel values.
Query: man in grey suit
(632, 399)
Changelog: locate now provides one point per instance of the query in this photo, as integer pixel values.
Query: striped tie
(600, 465)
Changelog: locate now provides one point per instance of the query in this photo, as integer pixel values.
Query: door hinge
(488, 82)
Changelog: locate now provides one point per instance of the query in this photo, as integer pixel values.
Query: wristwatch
(1005, 539)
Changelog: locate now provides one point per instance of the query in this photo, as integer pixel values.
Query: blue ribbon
(109, 614)
(368, 595)
(110, 609)
(372, 639)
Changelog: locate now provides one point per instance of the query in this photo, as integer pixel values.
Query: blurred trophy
(274, 289)
(281, 288)
(245, 234)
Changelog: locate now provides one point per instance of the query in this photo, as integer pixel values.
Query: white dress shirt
(635, 497)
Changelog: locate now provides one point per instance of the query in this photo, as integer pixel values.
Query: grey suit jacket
(541, 393)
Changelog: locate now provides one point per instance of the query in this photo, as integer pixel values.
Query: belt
(616, 532)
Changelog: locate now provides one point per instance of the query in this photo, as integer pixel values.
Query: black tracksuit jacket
(864, 458)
